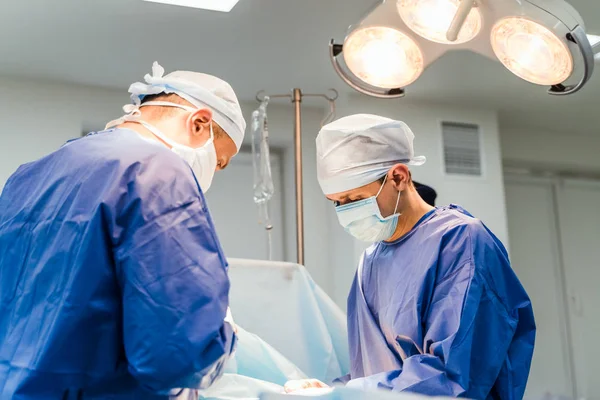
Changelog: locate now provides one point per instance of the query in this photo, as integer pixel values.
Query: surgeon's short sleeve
(173, 278)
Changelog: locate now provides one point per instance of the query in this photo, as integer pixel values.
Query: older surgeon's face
(198, 127)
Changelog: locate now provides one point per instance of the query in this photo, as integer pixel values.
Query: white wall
(483, 197)
(536, 260)
(38, 117)
(281, 131)
(233, 211)
(534, 145)
(536, 204)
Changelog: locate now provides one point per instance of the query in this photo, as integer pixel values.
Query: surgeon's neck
(139, 128)
(414, 208)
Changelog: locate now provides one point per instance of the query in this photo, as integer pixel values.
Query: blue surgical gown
(440, 312)
(112, 280)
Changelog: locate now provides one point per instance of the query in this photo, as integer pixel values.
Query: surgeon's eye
(336, 203)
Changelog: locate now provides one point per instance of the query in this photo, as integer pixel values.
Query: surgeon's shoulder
(142, 168)
(130, 146)
(455, 219)
(464, 237)
(141, 156)
(472, 245)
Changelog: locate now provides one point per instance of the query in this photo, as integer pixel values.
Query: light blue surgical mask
(363, 220)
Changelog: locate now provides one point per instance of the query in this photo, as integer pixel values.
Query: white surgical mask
(363, 220)
(203, 160)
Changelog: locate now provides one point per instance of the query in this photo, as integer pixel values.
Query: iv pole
(296, 97)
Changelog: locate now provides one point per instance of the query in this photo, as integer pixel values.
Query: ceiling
(262, 44)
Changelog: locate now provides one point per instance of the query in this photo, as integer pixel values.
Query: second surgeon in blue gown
(113, 284)
(435, 307)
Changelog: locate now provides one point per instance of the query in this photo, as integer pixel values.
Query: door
(536, 260)
(579, 212)
(231, 204)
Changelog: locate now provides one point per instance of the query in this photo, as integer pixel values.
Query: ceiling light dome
(383, 57)
(531, 51)
(431, 19)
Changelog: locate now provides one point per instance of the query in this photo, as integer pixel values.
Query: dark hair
(427, 193)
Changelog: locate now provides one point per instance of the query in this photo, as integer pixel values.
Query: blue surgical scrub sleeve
(113, 284)
(466, 329)
(450, 337)
(173, 277)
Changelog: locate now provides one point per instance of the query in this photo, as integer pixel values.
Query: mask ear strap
(382, 185)
(212, 135)
(183, 107)
(211, 138)
(397, 202)
(168, 104)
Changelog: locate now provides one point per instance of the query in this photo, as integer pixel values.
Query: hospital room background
(532, 169)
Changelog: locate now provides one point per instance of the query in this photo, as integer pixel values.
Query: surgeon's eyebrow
(341, 200)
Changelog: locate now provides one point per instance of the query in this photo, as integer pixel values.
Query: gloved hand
(293, 386)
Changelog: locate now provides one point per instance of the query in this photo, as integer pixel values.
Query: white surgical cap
(202, 90)
(357, 150)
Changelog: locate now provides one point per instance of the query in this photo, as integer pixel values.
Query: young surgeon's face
(387, 195)
(395, 181)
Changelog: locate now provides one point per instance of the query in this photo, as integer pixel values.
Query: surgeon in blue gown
(435, 307)
(113, 284)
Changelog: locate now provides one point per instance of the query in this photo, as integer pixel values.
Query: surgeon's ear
(200, 122)
(400, 176)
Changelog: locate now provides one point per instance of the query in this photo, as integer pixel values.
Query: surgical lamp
(541, 41)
